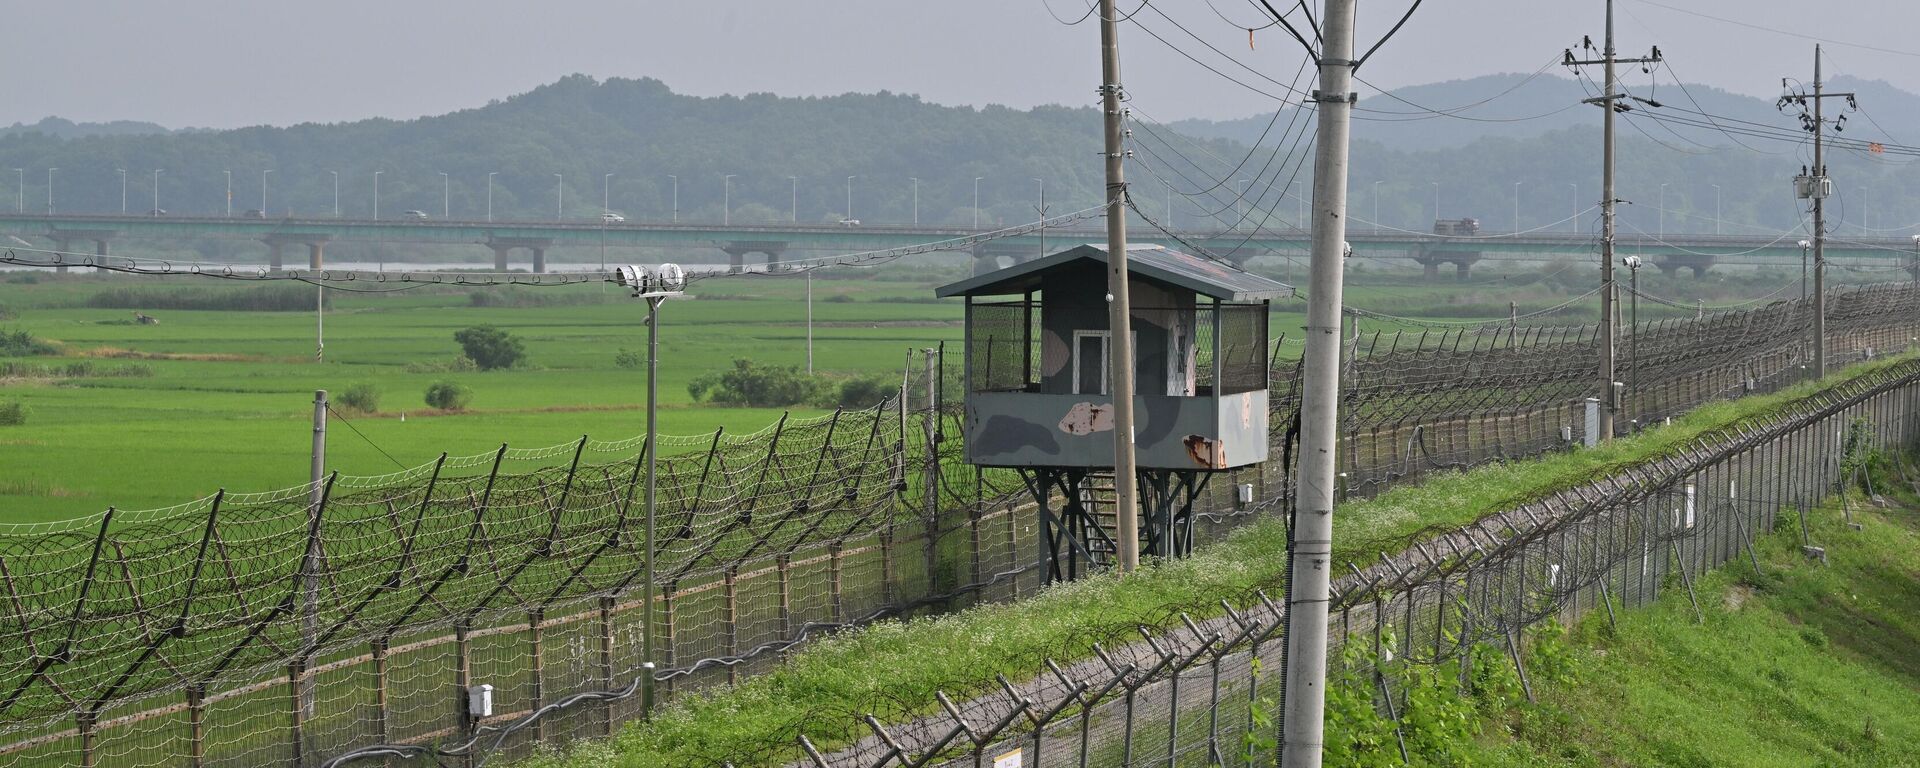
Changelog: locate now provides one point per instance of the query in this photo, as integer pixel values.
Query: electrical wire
(363, 436)
(1801, 35)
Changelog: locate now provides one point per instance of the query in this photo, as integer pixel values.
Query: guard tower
(1037, 389)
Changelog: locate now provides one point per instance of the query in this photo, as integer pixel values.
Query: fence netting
(1206, 691)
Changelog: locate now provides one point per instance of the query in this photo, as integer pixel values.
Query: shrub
(489, 347)
(865, 391)
(361, 398)
(7, 314)
(838, 298)
(286, 298)
(534, 297)
(13, 414)
(455, 364)
(24, 278)
(21, 343)
(448, 396)
(751, 384)
(629, 358)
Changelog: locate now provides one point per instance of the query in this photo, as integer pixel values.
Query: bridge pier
(61, 245)
(1462, 262)
(274, 261)
(1671, 264)
(986, 256)
(737, 251)
(316, 254)
(503, 248)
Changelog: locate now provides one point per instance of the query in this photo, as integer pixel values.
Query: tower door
(1090, 362)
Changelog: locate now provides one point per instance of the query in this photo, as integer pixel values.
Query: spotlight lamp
(646, 282)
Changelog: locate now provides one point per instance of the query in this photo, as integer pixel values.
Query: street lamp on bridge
(850, 197)
(1376, 206)
(676, 196)
(50, 190)
(123, 190)
(156, 191)
(229, 193)
(20, 202)
(446, 195)
(976, 202)
(336, 196)
(726, 199)
(1663, 210)
(263, 191)
(1716, 209)
(1516, 205)
(376, 194)
(916, 200)
(559, 196)
(793, 199)
(490, 175)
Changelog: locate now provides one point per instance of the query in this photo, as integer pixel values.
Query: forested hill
(551, 148)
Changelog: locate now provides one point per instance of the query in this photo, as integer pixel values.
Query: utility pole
(1610, 102)
(1310, 556)
(1816, 185)
(310, 563)
(1126, 507)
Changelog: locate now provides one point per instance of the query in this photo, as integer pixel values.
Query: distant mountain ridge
(1524, 106)
(1513, 150)
(67, 129)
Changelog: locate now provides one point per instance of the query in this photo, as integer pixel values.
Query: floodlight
(663, 280)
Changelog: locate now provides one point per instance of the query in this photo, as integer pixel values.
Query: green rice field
(223, 398)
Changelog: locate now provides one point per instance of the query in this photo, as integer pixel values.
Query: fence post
(296, 685)
(84, 722)
(537, 668)
(196, 726)
(380, 701)
(783, 565)
(887, 590)
(730, 594)
(669, 651)
(1013, 547)
(975, 576)
(930, 429)
(606, 662)
(833, 582)
(462, 682)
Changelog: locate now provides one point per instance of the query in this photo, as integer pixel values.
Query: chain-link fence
(1208, 692)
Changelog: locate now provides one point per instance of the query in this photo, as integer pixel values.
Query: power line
(1762, 28)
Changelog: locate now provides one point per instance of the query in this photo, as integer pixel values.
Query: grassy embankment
(821, 690)
(1796, 664)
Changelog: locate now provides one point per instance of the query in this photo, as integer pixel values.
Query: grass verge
(894, 668)
(1797, 664)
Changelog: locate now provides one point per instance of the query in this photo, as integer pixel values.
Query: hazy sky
(224, 63)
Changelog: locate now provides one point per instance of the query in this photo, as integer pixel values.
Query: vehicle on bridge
(849, 222)
(1468, 226)
(612, 218)
(157, 212)
(414, 215)
(255, 213)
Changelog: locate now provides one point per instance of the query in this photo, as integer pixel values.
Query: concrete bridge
(741, 242)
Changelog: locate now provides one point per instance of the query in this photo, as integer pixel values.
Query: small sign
(1008, 760)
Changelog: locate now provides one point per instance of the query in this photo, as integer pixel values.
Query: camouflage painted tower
(1037, 388)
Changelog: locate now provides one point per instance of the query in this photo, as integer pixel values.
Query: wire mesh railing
(1208, 691)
